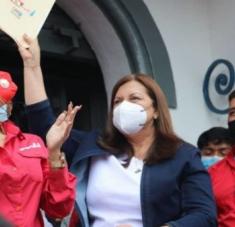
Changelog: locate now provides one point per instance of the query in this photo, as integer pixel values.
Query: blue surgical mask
(210, 160)
(3, 113)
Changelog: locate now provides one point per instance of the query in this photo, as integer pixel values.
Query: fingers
(70, 106)
(25, 47)
(67, 130)
(25, 42)
(60, 118)
(24, 52)
(69, 115)
(63, 124)
(72, 111)
(69, 119)
(30, 52)
(69, 110)
(28, 43)
(27, 39)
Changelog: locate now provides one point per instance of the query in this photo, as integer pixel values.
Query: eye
(116, 101)
(225, 151)
(207, 152)
(135, 98)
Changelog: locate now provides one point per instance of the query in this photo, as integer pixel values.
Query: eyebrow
(133, 93)
(136, 93)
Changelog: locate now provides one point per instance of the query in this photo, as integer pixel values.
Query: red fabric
(7, 87)
(223, 183)
(74, 220)
(27, 183)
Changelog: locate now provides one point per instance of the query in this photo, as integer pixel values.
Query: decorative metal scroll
(223, 84)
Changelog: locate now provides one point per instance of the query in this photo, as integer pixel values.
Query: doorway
(71, 72)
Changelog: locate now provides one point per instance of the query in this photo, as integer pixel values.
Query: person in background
(222, 176)
(231, 114)
(32, 176)
(137, 172)
(214, 144)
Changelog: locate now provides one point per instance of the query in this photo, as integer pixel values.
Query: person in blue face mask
(3, 113)
(214, 145)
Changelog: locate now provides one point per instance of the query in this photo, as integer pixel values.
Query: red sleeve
(58, 193)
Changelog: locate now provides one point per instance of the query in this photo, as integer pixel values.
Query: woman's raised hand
(31, 54)
(60, 130)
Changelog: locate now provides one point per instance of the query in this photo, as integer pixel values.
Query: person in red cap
(32, 176)
(7, 91)
(7, 87)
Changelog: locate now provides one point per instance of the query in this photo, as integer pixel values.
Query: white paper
(19, 17)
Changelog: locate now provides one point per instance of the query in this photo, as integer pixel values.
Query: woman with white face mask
(138, 172)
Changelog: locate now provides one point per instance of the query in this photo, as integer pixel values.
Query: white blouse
(113, 192)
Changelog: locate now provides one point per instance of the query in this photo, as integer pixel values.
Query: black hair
(215, 135)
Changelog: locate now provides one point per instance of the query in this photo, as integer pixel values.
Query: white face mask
(129, 118)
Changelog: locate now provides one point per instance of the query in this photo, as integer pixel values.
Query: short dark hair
(231, 95)
(215, 135)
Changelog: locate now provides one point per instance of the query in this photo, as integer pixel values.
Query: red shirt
(27, 183)
(223, 183)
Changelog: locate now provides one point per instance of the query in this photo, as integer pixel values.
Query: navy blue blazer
(176, 191)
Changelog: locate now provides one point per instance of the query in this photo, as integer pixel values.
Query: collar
(11, 131)
(230, 159)
(88, 148)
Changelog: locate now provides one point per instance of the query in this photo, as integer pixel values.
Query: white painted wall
(222, 27)
(222, 35)
(195, 33)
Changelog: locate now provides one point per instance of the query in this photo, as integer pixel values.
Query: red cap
(7, 87)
